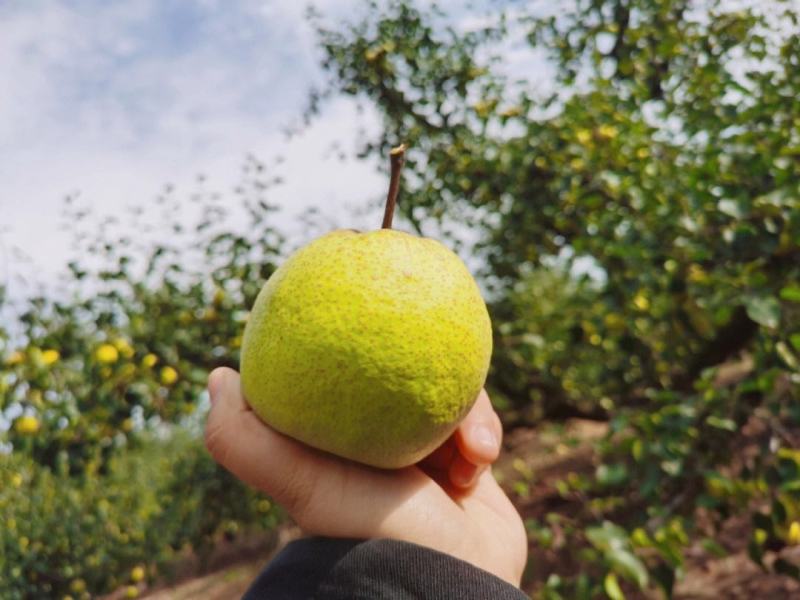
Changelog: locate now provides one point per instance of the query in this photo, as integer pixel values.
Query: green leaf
(779, 512)
(612, 475)
(756, 552)
(612, 541)
(714, 548)
(787, 356)
(791, 293)
(762, 522)
(607, 537)
(611, 586)
(791, 486)
(784, 567)
(583, 587)
(764, 310)
(629, 566)
(665, 577)
(720, 423)
(795, 340)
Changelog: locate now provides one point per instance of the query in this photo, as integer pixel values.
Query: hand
(449, 502)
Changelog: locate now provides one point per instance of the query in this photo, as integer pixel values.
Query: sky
(113, 100)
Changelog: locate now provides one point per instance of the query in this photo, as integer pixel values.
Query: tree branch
(622, 18)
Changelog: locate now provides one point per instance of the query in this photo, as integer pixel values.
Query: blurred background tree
(108, 480)
(639, 220)
(637, 216)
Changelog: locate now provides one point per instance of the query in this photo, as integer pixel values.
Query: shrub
(69, 536)
(127, 345)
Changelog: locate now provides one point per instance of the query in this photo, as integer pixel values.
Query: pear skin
(371, 346)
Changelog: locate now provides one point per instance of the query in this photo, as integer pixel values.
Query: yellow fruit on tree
(794, 533)
(50, 356)
(123, 347)
(14, 358)
(106, 353)
(168, 375)
(27, 425)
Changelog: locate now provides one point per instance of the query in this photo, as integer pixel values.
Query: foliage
(100, 380)
(147, 313)
(661, 161)
(67, 536)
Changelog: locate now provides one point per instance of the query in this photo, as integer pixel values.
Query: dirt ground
(544, 456)
(532, 462)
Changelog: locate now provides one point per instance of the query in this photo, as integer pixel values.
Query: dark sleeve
(333, 569)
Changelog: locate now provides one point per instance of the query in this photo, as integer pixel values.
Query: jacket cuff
(333, 569)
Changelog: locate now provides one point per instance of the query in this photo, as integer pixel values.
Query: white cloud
(114, 100)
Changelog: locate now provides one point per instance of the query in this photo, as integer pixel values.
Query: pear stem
(397, 156)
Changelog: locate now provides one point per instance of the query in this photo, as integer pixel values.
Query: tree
(147, 310)
(107, 479)
(666, 160)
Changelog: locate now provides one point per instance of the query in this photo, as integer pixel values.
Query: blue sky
(115, 99)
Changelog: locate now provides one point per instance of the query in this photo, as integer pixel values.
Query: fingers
(473, 446)
(441, 458)
(333, 497)
(325, 495)
(463, 473)
(255, 453)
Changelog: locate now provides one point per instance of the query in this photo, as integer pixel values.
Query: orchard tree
(107, 479)
(154, 299)
(636, 196)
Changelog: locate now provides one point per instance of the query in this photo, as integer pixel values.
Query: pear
(371, 346)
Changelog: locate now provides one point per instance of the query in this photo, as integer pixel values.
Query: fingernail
(483, 435)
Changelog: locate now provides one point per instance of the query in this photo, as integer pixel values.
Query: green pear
(371, 346)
